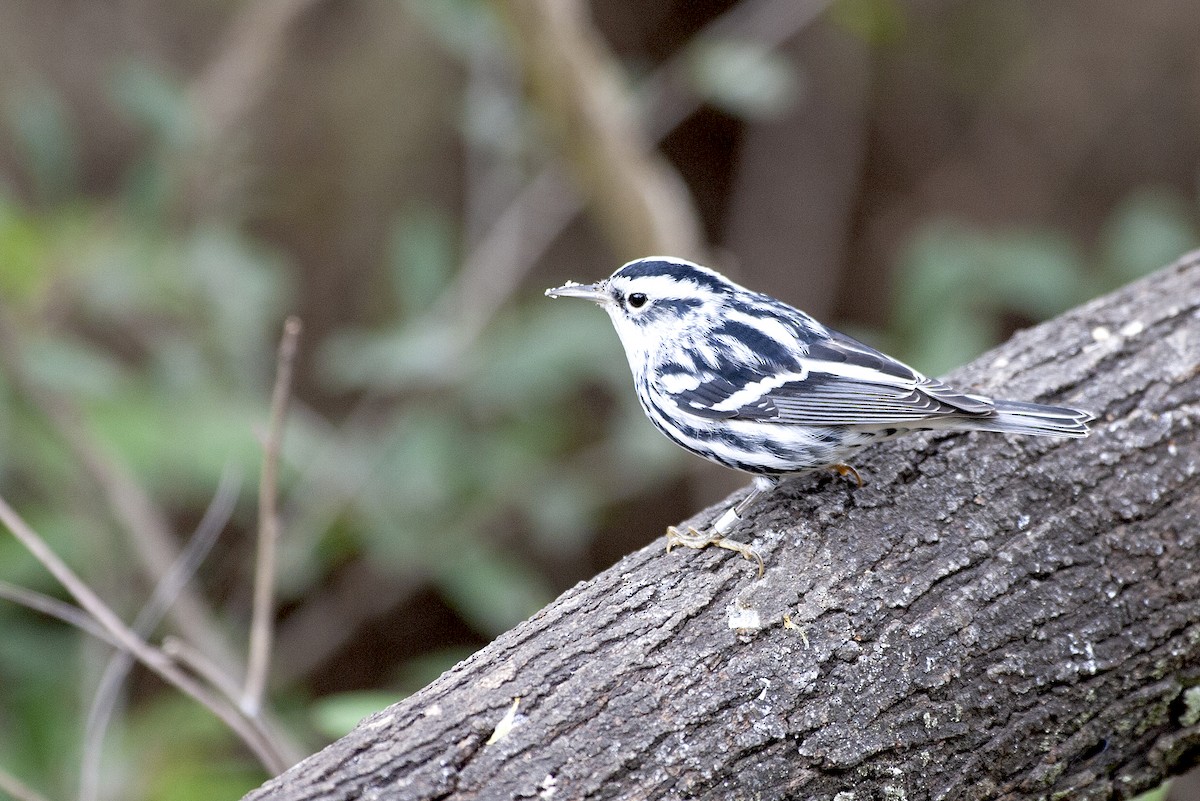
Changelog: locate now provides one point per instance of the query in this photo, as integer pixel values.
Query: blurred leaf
(420, 492)
(744, 77)
(45, 135)
(335, 715)
(191, 778)
(491, 590)
(183, 753)
(493, 118)
(639, 447)
(239, 286)
(421, 258)
(952, 339)
(463, 27)
(156, 102)
(1037, 273)
(539, 355)
(23, 248)
(933, 268)
(1148, 229)
(396, 360)
(40, 731)
(429, 447)
(563, 505)
(161, 107)
(178, 445)
(418, 672)
(874, 21)
(954, 284)
(72, 367)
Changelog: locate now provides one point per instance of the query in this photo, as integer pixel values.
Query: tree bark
(990, 617)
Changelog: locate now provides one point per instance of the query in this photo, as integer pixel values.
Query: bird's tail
(1019, 417)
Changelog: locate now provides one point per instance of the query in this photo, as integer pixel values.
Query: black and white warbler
(752, 383)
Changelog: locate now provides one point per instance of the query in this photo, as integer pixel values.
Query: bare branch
(196, 661)
(39, 602)
(113, 676)
(251, 52)
(251, 734)
(519, 236)
(636, 196)
(262, 626)
(140, 518)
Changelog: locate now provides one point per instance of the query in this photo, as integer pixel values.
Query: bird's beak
(597, 293)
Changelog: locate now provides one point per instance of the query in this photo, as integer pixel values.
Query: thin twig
(108, 690)
(195, 660)
(47, 605)
(140, 518)
(250, 733)
(262, 621)
(11, 785)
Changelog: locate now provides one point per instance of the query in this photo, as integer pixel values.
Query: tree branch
(141, 519)
(108, 689)
(990, 617)
(262, 623)
(638, 199)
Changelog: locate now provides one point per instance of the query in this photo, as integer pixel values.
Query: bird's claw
(844, 470)
(700, 539)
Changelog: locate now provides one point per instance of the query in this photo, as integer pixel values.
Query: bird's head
(655, 300)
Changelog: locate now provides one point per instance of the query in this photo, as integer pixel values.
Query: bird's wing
(839, 382)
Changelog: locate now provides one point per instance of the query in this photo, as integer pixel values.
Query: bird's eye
(637, 300)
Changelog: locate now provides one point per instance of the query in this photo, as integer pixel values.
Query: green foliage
(743, 77)
(958, 286)
(183, 754)
(421, 259)
(1150, 228)
(162, 338)
(335, 715)
(45, 136)
(874, 21)
(39, 720)
(955, 284)
(1157, 794)
(471, 443)
(161, 343)
(464, 452)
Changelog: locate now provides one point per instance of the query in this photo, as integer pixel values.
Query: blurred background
(407, 178)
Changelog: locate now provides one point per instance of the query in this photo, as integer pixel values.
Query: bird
(749, 382)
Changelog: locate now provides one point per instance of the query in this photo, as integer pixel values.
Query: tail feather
(1019, 417)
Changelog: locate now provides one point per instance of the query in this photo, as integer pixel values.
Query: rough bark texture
(989, 617)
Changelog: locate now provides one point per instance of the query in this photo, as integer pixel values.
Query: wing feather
(839, 382)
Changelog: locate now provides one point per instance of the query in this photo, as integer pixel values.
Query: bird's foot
(701, 539)
(844, 470)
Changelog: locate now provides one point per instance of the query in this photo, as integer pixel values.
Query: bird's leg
(844, 470)
(715, 534)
